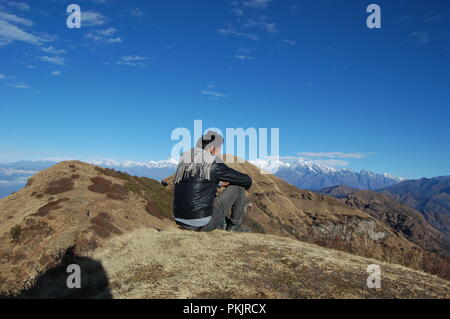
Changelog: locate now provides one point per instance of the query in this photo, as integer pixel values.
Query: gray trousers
(233, 197)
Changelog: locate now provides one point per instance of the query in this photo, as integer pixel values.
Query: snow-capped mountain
(152, 169)
(312, 175)
(299, 172)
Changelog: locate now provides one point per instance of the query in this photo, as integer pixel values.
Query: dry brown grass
(181, 264)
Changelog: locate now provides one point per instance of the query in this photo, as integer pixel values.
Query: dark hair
(211, 138)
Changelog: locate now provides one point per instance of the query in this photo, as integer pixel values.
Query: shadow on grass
(52, 284)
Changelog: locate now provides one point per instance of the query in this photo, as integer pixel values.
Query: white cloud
(10, 33)
(245, 50)
(133, 60)
(56, 72)
(289, 42)
(18, 85)
(238, 12)
(213, 95)
(137, 12)
(334, 154)
(91, 18)
(332, 162)
(420, 38)
(19, 181)
(12, 29)
(295, 8)
(18, 5)
(12, 171)
(15, 19)
(432, 17)
(94, 37)
(53, 50)
(2, 76)
(107, 32)
(248, 14)
(114, 40)
(231, 31)
(262, 22)
(104, 36)
(52, 59)
(256, 4)
(242, 57)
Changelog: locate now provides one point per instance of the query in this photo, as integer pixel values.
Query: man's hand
(223, 184)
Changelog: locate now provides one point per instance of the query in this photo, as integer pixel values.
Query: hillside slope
(430, 196)
(73, 204)
(180, 264)
(402, 218)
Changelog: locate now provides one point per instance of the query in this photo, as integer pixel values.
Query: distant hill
(400, 217)
(430, 196)
(339, 191)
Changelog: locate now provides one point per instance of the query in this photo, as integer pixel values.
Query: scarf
(195, 162)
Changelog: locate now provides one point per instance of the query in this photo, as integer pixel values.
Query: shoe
(239, 229)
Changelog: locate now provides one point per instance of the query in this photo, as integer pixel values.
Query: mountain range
(313, 176)
(298, 172)
(119, 229)
(428, 196)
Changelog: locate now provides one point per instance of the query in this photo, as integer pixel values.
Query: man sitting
(199, 173)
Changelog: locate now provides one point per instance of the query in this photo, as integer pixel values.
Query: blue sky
(340, 93)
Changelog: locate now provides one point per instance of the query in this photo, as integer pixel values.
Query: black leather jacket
(194, 196)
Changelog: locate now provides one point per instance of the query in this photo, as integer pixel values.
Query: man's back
(194, 195)
(196, 180)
